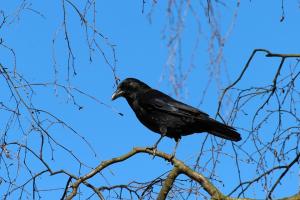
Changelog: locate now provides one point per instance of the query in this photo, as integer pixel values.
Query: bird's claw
(150, 148)
(153, 149)
(154, 152)
(172, 156)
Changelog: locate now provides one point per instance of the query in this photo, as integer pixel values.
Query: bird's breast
(148, 118)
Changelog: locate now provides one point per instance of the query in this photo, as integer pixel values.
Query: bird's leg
(156, 144)
(154, 148)
(176, 145)
(163, 132)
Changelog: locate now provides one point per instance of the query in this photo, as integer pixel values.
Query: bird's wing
(155, 99)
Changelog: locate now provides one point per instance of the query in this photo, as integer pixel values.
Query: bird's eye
(120, 87)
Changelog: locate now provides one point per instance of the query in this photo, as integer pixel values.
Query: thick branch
(204, 182)
(179, 168)
(169, 182)
(294, 197)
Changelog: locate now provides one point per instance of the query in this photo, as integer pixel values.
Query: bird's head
(129, 88)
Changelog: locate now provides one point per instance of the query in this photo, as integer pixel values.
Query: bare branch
(287, 168)
(168, 184)
(179, 168)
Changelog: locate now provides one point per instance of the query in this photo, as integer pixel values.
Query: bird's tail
(223, 131)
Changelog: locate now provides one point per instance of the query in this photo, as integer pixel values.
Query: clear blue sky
(141, 52)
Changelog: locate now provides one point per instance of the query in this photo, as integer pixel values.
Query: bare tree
(265, 112)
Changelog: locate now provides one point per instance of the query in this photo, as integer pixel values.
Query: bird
(171, 118)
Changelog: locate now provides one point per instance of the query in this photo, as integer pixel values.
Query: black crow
(168, 117)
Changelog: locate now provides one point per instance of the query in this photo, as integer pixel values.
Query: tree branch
(294, 197)
(179, 168)
(268, 54)
(288, 167)
(169, 182)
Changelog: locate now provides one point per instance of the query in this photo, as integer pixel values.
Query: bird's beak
(117, 94)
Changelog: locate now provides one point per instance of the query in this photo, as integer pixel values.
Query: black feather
(165, 115)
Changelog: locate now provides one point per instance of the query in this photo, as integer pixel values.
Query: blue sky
(141, 52)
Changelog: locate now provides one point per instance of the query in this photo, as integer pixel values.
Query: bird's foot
(153, 149)
(172, 156)
(154, 153)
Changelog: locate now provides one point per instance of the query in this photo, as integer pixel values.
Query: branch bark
(179, 168)
(294, 197)
(169, 182)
